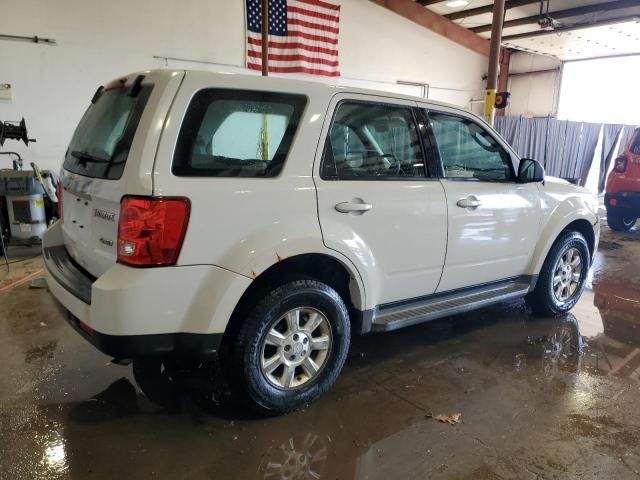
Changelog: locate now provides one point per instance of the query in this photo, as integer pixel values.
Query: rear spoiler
(136, 86)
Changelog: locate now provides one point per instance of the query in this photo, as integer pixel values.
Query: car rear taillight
(59, 195)
(620, 165)
(151, 230)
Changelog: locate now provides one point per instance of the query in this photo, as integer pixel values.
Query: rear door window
(237, 133)
(100, 145)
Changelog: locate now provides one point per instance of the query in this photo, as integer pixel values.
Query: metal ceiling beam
(423, 16)
(576, 26)
(488, 9)
(571, 12)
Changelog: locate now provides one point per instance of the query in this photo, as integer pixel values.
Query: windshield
(100, 145)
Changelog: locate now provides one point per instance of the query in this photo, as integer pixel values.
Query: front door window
(468, 151)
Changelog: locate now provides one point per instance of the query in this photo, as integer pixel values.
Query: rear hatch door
(112, 154)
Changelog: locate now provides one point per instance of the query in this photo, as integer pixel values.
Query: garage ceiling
(568, 29)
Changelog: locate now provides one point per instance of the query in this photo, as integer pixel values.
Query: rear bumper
(144, 346)
(136, 312)
(65, 273)
(629, 201)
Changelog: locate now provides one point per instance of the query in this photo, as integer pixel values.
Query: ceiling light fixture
(457, 3)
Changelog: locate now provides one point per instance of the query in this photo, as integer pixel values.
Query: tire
(544, 300)
(272, 389)
(618, 221)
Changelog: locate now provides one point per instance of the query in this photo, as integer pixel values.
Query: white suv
(269, 220)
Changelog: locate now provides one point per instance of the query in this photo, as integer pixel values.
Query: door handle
(357, 206)
(469, 202)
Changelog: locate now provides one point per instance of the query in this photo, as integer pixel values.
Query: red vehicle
(622, 197)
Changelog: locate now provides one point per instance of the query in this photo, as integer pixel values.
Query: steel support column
(503, 75)
(265, 38)
(494, 61)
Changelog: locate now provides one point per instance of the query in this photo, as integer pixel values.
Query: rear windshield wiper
(87, 157)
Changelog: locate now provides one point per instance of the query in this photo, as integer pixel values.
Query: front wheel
(563, 276)
(292, 347)
(618, 221)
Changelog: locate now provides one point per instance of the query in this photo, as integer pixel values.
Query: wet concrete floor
(539, 398)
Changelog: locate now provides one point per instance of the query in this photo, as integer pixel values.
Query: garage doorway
(602, 90)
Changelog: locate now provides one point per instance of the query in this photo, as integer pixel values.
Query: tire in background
(618, 221)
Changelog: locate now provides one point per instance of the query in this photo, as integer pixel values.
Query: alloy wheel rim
(296, 348)
(567, 275)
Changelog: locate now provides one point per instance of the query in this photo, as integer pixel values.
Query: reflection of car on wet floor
(619, 306)
(563, 345)
(622, 198)
(336, 440)
(618, 302)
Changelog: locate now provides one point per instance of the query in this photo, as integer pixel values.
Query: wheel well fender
(583, 227)
(580, 225)
(322, 267)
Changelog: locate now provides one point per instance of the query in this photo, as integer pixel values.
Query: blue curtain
(586, 151)
(610, 136)
(531, 138)
(554, 146)
(509, 128)
(565, 148)
(567, 162)
(626, 136)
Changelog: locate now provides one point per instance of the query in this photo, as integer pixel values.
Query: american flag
(303, 36)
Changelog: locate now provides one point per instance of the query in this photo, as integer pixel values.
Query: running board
(403, 314)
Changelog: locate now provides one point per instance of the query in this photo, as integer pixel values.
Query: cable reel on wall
(503, 99)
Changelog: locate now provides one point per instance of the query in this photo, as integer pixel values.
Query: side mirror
(530, 171)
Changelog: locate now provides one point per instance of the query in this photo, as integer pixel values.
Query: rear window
(100, 145)
(237, 133)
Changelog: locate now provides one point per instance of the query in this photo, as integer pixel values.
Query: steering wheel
(481, 140)
(395, 160)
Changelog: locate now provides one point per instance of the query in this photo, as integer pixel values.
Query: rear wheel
(563, 276)
(619, 221)
(292, 347)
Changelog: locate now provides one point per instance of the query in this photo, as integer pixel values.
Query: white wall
(98, 40)
(533, 94)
